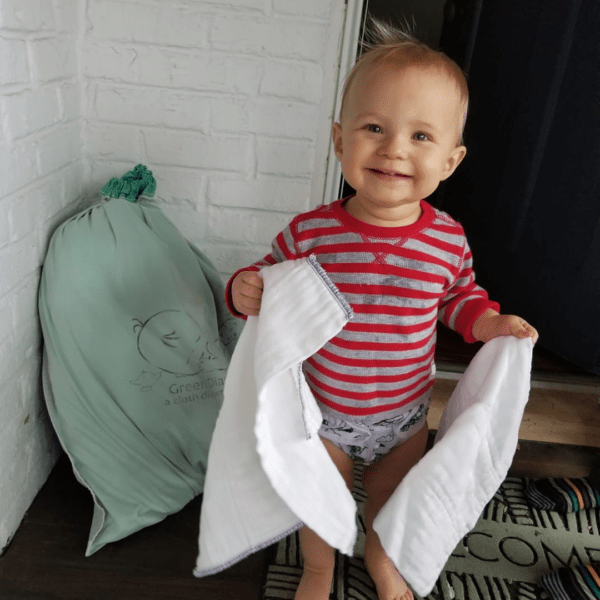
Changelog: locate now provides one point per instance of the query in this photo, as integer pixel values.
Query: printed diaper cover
(369, 438)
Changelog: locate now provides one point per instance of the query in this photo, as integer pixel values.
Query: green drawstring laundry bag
(137, 340)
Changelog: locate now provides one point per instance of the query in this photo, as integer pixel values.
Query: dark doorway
(528, 193)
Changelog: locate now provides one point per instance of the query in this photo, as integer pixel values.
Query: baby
(401, 264)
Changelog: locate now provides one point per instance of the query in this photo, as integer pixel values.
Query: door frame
(343, 48)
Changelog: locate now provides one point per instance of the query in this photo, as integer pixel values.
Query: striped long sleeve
(399, 281)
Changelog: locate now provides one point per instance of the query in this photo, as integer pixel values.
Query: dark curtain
(528, 192)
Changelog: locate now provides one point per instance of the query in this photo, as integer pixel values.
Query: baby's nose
(395, 147)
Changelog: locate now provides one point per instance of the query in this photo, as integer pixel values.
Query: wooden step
(552, 416)
(559, 434)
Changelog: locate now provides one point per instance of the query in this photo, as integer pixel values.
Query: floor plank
(535, 459)
(45, 560)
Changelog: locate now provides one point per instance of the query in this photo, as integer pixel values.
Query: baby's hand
(246, 293)
(490, 325)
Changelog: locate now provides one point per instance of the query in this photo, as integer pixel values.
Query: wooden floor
(45, 560)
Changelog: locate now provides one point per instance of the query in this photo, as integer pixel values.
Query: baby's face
(397, 140)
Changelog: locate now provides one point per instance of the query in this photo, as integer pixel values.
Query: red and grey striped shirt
(398, 281)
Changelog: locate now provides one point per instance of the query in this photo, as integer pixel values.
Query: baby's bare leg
(319, 557)
(380, 481)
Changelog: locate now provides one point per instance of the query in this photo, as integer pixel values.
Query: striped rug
(503, 558)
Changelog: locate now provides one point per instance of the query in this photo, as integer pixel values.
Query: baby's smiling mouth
(392, 174)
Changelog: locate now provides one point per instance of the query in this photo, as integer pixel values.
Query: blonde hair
(385, 44)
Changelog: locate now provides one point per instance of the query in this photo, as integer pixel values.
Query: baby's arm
(246, 292)
(491, 324)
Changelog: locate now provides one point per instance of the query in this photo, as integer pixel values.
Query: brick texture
(41, 174)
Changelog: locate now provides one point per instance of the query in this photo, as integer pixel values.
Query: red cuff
(469, 314)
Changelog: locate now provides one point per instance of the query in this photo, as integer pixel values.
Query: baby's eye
(373, 128)
(421, 137)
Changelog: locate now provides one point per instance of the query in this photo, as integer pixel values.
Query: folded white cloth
(443, 495)
(268, 471)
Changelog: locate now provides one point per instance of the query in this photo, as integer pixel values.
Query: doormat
(512, 545)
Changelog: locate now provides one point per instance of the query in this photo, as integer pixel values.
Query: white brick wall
(230, 96)
(228, 103)
(41, 175)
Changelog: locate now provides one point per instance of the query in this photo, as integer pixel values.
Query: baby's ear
(336, 132)
(454, 159)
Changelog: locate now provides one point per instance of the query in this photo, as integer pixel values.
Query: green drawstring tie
(139, 182)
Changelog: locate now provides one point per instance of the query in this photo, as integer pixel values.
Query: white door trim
(342, 50)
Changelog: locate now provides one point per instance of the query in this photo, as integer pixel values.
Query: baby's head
(389, 47)
(400, 128)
